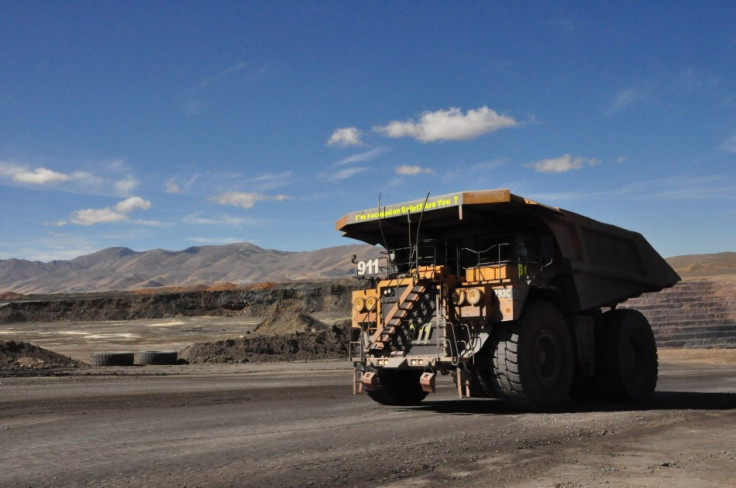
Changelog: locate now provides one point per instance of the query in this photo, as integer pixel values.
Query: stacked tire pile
(126, 358)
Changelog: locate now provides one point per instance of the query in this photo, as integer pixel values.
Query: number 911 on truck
(515, 299)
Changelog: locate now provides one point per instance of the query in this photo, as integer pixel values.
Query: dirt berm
(18, 357)
(287, 334)
(290, 329)
(331, 297)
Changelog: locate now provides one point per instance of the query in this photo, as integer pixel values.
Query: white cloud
(562, 164)
(118, 213)
(132, 203)
(91, 216)
(449, 125)
(245, 200)
(347, 136)
(406, 170)
(38, 176)
(729, 144)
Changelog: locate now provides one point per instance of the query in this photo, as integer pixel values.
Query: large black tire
(111, 358)
(627, 364)
(533, 359)
(397, 387)
(155, 357)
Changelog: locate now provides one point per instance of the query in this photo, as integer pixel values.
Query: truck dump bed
(597, 264)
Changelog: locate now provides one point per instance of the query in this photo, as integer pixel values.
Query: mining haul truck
(515, 299)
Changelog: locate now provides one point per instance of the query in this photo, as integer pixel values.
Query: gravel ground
(296, 424)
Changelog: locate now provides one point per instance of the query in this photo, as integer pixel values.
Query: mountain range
(119, 268)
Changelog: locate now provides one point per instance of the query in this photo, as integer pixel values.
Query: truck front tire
(533, 359)
(397, 387)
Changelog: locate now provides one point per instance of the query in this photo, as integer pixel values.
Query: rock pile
(18, 357)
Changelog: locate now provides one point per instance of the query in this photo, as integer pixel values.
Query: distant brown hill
(722, 263)
(120, 268)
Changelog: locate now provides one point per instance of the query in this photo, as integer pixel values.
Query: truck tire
(533, 359)
(155, 357)
(397, 387)
(627, 362)
(111, 358)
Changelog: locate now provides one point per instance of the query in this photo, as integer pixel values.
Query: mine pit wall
(313, 297)
(695, 313)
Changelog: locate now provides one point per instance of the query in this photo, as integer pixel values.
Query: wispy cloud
(407, 170)
(344, 174)
(448, 125)
(363, 157)
(487, 165)
(563, 164)
(175, 185)
(198, 219)
(235, 68)
(125, 186)
(624, 99)
(217, 183)
(566, 25)
(245, 200)
(270, 181)
(196, 102)
(57, 246)
(116, 181)
(117, 213)
(216, 240)
(683, 187)
(729, 144)
(345, 137)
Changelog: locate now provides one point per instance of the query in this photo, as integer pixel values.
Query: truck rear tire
(397, 387)
(627, 362)
(533, 359)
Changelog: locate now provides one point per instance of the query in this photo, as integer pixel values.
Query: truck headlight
(359, 305)
(458, 296)
(474, 296)
(370, 303)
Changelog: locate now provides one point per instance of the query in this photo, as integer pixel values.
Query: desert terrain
(266, 400)
(297, 424)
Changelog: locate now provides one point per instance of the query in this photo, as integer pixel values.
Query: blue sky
(175, 124)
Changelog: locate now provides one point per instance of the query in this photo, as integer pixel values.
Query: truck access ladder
(399, 311)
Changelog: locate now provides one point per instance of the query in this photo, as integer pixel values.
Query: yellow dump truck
(513, 298)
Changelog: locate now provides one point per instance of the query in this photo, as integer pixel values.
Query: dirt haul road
(297, 425)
